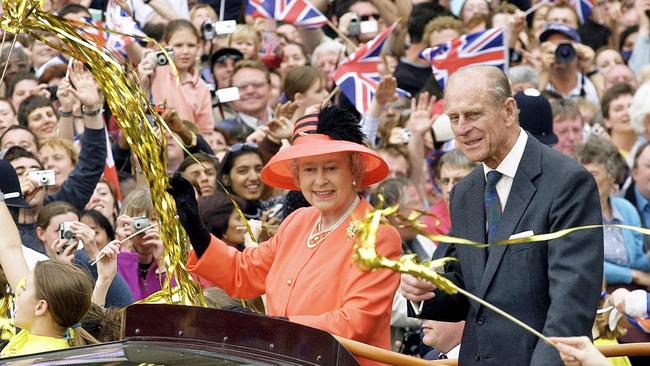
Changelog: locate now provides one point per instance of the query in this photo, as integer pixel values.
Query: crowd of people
(559, 139)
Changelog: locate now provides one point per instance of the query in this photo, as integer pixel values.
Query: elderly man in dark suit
(522, 188)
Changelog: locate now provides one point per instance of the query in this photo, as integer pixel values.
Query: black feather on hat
(340, 124)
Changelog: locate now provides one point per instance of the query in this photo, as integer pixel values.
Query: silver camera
(140, 223)
(159, 58)
(354, 28)
(65, 233)
(43, 177)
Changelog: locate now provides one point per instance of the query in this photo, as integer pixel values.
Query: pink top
(190, 98)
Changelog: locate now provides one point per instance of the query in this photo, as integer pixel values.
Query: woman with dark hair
(239, 173)
(306, 269)
(95, 220)
(37, 113)
(222, 220)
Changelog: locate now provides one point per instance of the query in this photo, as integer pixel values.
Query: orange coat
(320, 287)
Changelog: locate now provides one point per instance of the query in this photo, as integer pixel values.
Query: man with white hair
(327, 57)
(523, 77)
(639, 111)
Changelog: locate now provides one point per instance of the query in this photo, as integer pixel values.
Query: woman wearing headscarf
(306, 269)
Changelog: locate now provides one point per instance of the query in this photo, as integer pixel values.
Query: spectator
(19, 136)
(223, 64)
(615, 107)
(640, 55)
(306, 86)
(326, 57)
(443, 29)
(567, 75)
(606, 58)
(247, 41)
(567, 126)
(22, 86)
(61, 156)
(444, 337)
(619, 74)
(104, 200)
(203, 177)
(523, 77)
(639, 111)
(192, 99)
(219, 216)
(139, 261)
(252, 80)
(638, 193)
(625, 260)
(37, 113)
(7, 116)
(474, 14)
(48, 226)
(293, 55)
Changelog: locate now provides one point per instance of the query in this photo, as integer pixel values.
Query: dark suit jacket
(552, 286)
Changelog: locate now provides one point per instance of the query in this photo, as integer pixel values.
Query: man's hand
(258, 135)
(617, 299)
(415, 289)
(422, 116)
(173, 120)
(386, 91)
(83, 85)
(642, 8)
(586, 57)
(547, 51)
(280, 128)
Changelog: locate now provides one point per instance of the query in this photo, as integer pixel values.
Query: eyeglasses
(254, 84)
(365, 18)
(222, 59)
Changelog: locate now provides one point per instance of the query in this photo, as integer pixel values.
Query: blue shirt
(643, 205)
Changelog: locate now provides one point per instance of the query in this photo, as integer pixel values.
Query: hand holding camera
(43, 178)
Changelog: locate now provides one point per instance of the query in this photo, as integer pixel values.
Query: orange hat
(277, 172)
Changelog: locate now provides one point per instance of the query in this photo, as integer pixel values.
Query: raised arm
(11, 252)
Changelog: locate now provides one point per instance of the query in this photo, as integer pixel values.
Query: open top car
(184, 335)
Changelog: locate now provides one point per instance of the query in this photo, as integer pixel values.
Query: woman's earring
(354, 183)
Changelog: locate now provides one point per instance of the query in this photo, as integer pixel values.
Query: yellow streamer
(131, 108)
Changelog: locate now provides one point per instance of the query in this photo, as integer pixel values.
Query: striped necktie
(492, 204)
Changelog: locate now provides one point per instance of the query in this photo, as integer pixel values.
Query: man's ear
(41, 308)
(510, 110)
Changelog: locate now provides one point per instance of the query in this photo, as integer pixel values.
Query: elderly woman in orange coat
(306, 270)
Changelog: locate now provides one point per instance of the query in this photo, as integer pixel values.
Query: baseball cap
(552, 28)
(536, 116)
(10, 186)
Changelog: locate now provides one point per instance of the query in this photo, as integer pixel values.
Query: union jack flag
(120, 21)
(357, 76)
(481, 48)
(583, 8)
(298, 12)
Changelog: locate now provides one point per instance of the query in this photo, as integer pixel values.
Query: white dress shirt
(508, 167)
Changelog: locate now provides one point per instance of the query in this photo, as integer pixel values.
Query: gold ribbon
(131, 108)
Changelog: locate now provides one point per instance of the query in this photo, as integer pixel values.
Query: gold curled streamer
(131, 108)
(367, 258)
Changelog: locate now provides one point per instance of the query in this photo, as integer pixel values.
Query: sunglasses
(222, 59)
(365, 18)
(242, 146)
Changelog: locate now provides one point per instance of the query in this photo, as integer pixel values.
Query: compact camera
(65, 233)
(43, 177)
(209, 30)
(159, 58)
(354, 29)
(565, 53)
(140, 223)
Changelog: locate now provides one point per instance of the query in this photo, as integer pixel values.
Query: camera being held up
(43, 178)
(209, 29)
(565, 53)
(66, 233)
(140, 223)
(159, 58)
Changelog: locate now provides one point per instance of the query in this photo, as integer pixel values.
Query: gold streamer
(131, 108)
(366, 256)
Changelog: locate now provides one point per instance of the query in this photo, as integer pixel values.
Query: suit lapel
(521, 194)
(472, 204)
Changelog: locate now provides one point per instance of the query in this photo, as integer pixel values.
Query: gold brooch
(352, 228)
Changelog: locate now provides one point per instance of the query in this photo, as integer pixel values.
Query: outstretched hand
(188, 213)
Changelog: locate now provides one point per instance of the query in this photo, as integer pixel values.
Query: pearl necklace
(318, 237)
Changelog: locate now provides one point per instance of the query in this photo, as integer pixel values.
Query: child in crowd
(247, 41)
(191, 99)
